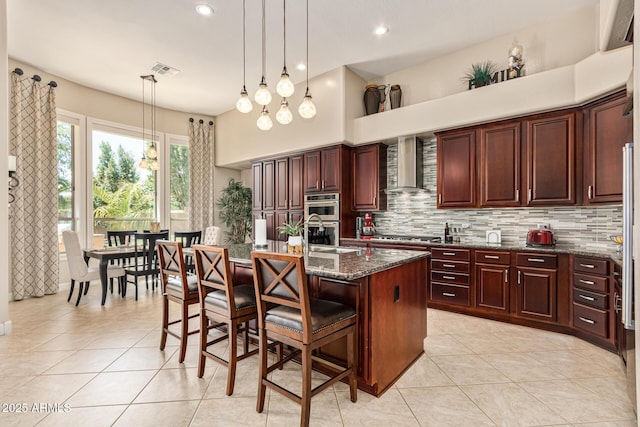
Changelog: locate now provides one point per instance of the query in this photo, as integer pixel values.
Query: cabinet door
(281, 218)
(312, 172)
(296, 189)
(270, 216)
(536, 294)
(500, 165)
(281, 185)
(608, 131)
(331, 169)
(368, 175)
(456, 165)
(492, 287)
(268, 182)
(256, 171)
(551, 160)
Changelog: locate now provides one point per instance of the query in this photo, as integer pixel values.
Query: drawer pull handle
(535, 260)
(587, 298)
(589, 321)
(449, 265)
(587, 282)
(587, 265)
(492, 257)
(449, 277)
(506, 275)
(448, 294)
(449, 253)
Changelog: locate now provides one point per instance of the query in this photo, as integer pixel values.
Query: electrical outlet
(543, 227)
(465, 225)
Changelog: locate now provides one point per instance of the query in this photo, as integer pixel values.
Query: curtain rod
(191, 119)
(35, 77)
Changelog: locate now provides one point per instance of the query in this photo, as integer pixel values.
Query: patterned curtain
(34, 212)
(201, 166)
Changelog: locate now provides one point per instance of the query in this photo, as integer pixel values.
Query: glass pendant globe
(284, 116)
(143, 163)
(152, 153)
(307, 109)
(285, 87)
(244, 104)
(155, 165)
(264, 121)
(263, 96)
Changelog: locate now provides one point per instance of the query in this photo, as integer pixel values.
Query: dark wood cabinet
(296, 176)
(607, 129)
(492, 280)
(256, 195)
(456, 169)
(500, 165)
(450, 277)
(268, 185)
(369, 167)
(270, 216)
(322, 170)
(281, 184)
(312, 172)
(536, 293)
(550, 164)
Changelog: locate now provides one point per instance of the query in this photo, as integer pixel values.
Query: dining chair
(188, 239)
(119, 238)
(287, 313)
(179, 287)
(145, 263)
(79, 271)
(212, 236)
(223, 303)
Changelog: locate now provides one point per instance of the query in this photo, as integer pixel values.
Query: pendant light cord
(264, 46)
(284, 26)
(307, 46)
(244, 45)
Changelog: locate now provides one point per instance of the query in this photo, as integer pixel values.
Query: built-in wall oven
(322, 217)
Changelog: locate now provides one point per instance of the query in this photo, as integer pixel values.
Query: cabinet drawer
(592, 299)
(537, 260)
(591, 265)
(446, 253)
(451, 294)
(591, 320)
(446, 277)
(460, 267)
(490, 257)
(592, 283)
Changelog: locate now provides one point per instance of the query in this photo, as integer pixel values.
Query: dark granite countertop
(559, 248)
(347, 264)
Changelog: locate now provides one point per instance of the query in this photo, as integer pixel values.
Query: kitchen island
(387, 289)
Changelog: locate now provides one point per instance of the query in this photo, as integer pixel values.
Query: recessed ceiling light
(204, 9)
(381, 30)
(301, 67)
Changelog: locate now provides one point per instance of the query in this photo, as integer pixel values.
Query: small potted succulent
(294, 231)
(480, 74)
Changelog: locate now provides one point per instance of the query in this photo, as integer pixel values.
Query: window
(178, 182)
(66, 133)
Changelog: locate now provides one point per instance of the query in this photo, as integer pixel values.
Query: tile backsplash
(416, 214)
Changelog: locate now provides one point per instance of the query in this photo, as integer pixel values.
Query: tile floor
(101, 366)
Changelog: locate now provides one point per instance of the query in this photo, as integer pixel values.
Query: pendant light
(263, 96)
(307, 109)
(149, 158)
(264, 121)
(244, 104)
(285, 87)
(284, 116)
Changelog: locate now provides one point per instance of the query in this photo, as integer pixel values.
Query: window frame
(171, 139)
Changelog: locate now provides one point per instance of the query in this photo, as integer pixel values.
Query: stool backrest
(214, 273)
(171, 262)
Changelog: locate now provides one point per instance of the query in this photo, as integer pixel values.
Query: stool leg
(232, 329)
(185, 332)
(262, 371)
(165, 321)
(352, 362)
(204, 329)
(306, 386)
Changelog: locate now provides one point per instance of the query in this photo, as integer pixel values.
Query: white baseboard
(5, 328)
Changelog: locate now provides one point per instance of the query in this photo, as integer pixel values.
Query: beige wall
(5, 323)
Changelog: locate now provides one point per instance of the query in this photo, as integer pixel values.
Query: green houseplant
(294, 231)
(480, 73)
(235, 211)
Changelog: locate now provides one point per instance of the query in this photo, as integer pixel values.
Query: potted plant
(480, 74)
(235, 211)
(294, 231)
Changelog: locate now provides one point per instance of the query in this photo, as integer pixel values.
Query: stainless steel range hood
(409, 164)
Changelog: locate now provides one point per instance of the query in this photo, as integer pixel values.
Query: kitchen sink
(331, 249)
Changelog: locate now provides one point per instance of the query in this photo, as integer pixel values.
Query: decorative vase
(154, 227)
(371, 99)
(382, 91)
(395, 96)
(294, 245)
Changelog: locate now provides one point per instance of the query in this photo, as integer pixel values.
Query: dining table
(105, 256)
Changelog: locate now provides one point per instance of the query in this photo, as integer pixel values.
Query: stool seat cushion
(244, 296)
(175, 284)
(323, 314)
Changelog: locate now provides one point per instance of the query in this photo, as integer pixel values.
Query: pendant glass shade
(155, 165)
(263, 96)
(307, 109)
(284, 116)
(244, 104)
(264, 121)
(143, 163)
(285, 87)
(152, 153)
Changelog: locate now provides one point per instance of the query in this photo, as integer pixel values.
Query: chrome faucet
(306, 226)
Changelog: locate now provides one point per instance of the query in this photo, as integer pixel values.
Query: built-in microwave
(326, 206)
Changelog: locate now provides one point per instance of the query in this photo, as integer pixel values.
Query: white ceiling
(107, 45)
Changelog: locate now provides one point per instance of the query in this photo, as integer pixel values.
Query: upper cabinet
(296, 175)
(551, 160)
(606, 130)
(268, 185)
(323, 170)
(369, 167)
(456, 169)
(256, 173)
(500, 151)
